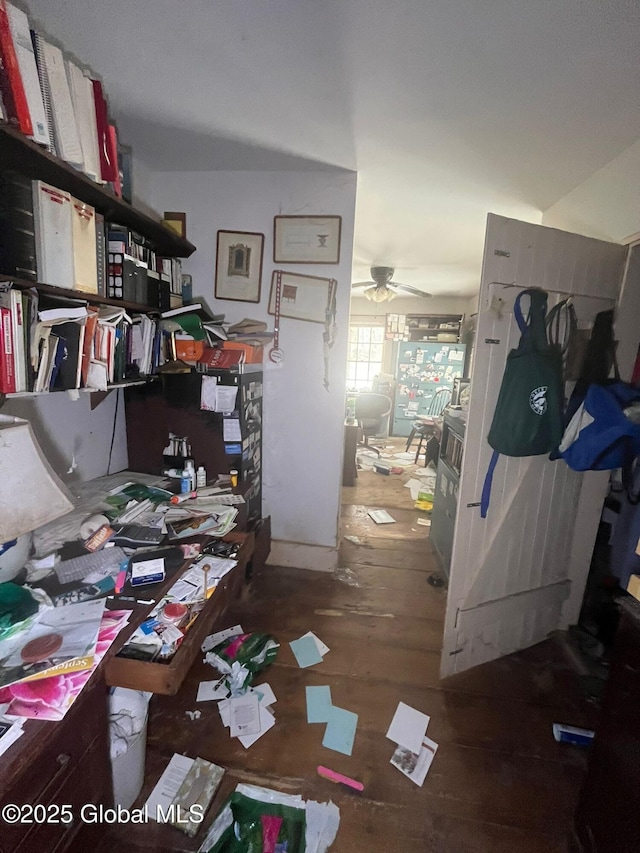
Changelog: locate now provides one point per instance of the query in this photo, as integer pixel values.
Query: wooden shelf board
(29, 159)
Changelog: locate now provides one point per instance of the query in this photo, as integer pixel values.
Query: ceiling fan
(382, 289)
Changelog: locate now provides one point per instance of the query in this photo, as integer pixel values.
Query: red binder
(113, 156)
(13, 94)
(108, 166)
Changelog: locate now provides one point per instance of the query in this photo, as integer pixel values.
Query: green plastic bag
(253, 652)
(243, 829)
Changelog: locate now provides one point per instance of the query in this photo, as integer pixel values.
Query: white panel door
(512, 571)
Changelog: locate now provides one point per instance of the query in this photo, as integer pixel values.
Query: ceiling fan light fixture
(379, 294)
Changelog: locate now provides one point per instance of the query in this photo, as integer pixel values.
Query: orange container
(189, 350)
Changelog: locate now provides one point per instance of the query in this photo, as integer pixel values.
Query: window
(364, 356)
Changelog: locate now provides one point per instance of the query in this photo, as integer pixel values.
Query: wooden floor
(499, 782)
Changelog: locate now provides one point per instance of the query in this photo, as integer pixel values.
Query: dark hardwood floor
(499, 782)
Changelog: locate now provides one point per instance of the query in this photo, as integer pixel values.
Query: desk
(67, 762)
(349, 467)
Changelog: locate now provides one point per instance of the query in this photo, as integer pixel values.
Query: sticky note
(340, 731)
(318, 704)
(305, 651)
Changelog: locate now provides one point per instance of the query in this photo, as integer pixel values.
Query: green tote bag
(528, 416)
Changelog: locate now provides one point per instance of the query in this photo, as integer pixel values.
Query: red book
(113, 156)
(7, 363)
(108, 167)
(13, 94)
(221, 358)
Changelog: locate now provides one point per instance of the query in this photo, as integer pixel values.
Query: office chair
(372, 414)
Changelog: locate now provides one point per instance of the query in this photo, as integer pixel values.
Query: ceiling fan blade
(363, 284)
(413, 290)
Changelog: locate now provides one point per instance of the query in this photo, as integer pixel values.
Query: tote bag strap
(488, 480)
(533, 331)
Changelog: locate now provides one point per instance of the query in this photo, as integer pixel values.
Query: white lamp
(31, 493)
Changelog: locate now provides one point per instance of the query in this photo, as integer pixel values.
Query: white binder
(54, 240)
(85, 262)
(85, 113)
(64, 119)
(21, 35)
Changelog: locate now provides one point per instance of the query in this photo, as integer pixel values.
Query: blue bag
(600, 436)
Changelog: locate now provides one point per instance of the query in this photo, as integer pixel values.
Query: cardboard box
(633, 587)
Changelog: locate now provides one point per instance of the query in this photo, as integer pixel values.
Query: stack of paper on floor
(415, 750)
(341, 724)
(308, 650)
(249, 716)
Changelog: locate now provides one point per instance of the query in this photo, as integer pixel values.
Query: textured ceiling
(447, 109)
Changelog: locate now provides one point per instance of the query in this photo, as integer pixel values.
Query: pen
(135, 600)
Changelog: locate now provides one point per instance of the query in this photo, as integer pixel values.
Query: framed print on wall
(239, 265)
(302, 297)
(306, 239)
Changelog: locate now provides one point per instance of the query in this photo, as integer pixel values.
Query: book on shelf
(7, 359)
(246, 327)
(45, 90)
(218, 358)
(54, 76)
(11, 299)
(54, 307)
(108, 165)
(54, 235)
(81, 89)
(14, 96)
(200, 309)
(21, 35)
(85, 261)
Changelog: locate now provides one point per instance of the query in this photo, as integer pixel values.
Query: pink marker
(339, 779)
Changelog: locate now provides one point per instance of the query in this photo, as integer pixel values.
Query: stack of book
(52, 343)
(55, 102)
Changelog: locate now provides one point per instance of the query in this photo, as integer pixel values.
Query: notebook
(64, 121)
(21, 34)
(85, 262)
(54, 241)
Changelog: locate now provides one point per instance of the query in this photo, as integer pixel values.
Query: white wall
(302, 434)
(76, 440)
(361, 306)
(606, 205)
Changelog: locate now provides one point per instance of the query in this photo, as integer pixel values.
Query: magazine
(60, 640)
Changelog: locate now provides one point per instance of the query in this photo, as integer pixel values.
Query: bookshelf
(20, 154)
(434, 328)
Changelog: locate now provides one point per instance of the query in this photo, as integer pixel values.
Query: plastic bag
(242, 657)
(245, 828)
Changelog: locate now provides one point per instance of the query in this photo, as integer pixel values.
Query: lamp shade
(31, 493)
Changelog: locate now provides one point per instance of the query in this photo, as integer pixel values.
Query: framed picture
(306, 239)
(176, 221)
(239, 265)
(302, 297)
